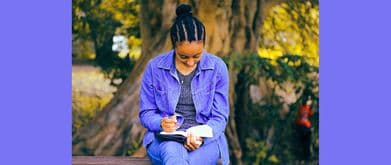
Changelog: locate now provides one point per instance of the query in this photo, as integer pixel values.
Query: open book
(180, 136)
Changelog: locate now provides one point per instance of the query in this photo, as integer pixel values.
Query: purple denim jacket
(160, 90)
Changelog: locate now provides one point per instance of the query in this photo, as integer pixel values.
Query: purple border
(355, 84)
(35, 97)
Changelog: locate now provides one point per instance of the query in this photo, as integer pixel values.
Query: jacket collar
(167, 61)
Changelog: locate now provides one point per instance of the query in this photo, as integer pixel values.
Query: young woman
(182, 88)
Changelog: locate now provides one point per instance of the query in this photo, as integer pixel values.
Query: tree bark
(232, 28)
(117, 127)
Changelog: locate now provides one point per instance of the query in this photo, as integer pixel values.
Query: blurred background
(271, 48)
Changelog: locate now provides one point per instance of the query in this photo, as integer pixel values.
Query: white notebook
(199, 130)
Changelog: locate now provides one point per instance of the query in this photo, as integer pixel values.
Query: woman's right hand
(193, 142)
(169, 124)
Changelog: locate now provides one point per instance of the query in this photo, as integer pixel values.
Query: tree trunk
(232, 28)
(117, 127)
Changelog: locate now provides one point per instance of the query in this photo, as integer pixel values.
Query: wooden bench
(109, 160)
(112, 160)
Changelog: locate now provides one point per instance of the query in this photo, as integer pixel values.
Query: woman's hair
(186, 27)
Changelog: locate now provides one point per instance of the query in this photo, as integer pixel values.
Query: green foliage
(134, 146)
(258, 148)
(97, 21)
(266, 127)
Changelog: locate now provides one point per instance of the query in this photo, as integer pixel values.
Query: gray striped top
(185, 106)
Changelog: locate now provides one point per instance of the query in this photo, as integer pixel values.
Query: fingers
(169, 127)
(173, 118)
(188, 139)
(187, 147)
(192, 142)
(169, 124)
(200, 139)
(197, 141)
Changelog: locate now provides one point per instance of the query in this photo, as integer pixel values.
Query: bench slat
(109, 160)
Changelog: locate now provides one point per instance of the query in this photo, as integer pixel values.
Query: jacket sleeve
(149, 113)
(220, 107)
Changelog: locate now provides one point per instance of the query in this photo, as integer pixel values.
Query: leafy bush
(266, 126)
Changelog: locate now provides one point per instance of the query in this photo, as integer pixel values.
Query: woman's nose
(190, 62)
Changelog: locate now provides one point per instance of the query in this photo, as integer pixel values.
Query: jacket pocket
(205, 99)
(160, 98)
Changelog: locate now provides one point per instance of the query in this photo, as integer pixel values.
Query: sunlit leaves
(135, 47)
(125, 11)
(291, 28)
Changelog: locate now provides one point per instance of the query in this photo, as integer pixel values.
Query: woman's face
(189, 53)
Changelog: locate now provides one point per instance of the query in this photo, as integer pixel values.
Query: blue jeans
(173, 153)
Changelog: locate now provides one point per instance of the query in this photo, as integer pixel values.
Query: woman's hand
(193, 142)
(169, 124)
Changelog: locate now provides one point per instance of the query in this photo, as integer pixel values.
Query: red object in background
(302, 116)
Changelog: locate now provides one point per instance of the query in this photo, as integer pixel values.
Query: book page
(201, 130)
(174, 133)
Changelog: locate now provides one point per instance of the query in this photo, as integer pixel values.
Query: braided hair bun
(186, 27)
(183, 10)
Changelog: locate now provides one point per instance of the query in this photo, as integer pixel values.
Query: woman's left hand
(193, 142)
